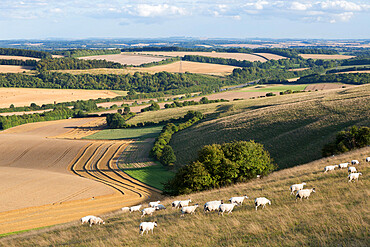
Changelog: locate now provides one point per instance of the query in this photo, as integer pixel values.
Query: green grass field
(336, 215)
(293, 128)
(151, 175)
(119, 92)
(131, 133)
(281, 88)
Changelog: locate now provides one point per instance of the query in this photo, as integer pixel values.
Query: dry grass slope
(336, 215)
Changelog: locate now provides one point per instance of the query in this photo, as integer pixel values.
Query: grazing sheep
(135, 208)
(160, 207)
(261, 201)
(330, 168)
(125, 209)
(238, 199)
(188, 209)
(227, 207)
(96, 221)
(355, 162)
(367, 159)
(86, 219)
(146, 227)
(212, 205)
(354, 176)
(184, 203)
(148, 211)
(153, 204)
(343, 165)
(352, 169)
(304, 193)
(175, 204)
(296, 187)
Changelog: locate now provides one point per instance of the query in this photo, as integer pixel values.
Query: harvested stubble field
(39, 188)
(270, 56)
(23, 112)
(18, 58)
(326, 86)
(282, 123)
(14, 69)
(336, 215)
(39, 96)
(237, 56)
(323, 56)
(126, 58)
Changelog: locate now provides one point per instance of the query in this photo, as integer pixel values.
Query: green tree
(168, 156)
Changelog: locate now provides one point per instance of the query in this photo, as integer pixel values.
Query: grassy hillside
(293, 128)
(336, 215)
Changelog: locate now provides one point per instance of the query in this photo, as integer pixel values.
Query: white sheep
(175, 204)
(304, 193)
(330, 168)
(153, 204)
(354, 176)
(343, 165)
(227, 207)
(367, 159)
(86, 219)
(296, 187)
(238, 199)
(355, 162)
(212, 205)
(261, 201)
(188, 209)
(148, 211)
(146, 227)
(96, 221)
(184, 203)
(352, 169)
(135, 208)
(160, 207)
(125, 209)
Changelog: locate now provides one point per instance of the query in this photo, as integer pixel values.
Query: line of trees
(350, 78)
(18, 62)
(86, 52)
(203, 100)
(73, 63)
(220, 165)
(24, 53)
(333, 71)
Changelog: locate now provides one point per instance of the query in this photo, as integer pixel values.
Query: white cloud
(300, 6)
(343, 17)
(342, 5)
(146, 10)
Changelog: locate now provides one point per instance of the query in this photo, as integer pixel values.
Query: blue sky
(75, 19)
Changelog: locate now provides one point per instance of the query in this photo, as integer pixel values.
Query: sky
(79, 19)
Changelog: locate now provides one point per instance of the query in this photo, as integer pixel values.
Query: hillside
(336, 215)
(293, 128)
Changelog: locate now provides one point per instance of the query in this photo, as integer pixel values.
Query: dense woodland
(86, 52)
(73, 63)
(24, 53)
(350, 78)
(18, 62)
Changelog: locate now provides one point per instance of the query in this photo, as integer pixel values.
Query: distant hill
(293, 128)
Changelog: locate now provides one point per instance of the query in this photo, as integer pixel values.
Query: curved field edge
(337, 214)
(293, 128)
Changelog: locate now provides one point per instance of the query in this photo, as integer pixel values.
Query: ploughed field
(46, 180)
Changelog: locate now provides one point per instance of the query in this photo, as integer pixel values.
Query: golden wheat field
(26, 96)
(14, 69)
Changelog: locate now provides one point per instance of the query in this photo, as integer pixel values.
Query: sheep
(304, 193)
(184, 203)
(354, 176)
(175, 204)
(367, 159)
(212, 205)
(160, 207)
(125, 209)
(343, 165)
(238, 199)
(96, 221)
(355, 162)
(261, 201)
(148, 211)
(330, 168)
(296, 187)
(227, 207)
(352, 169)
(135, 208)
(188, 209)
(86, 219)
(153, 204)
(146, 227)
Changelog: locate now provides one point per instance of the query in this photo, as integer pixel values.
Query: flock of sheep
(219, 205)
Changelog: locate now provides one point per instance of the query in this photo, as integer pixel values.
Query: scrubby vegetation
(219, 165)
(356, 137)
